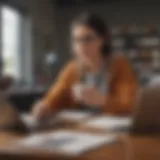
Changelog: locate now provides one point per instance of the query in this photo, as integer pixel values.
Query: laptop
(146, 118)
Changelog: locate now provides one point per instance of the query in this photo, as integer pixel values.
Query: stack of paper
(73, 115)
(67, 142)
(110, 123)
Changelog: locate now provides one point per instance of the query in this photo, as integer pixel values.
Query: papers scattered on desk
(110, 123)
(63, 116)
(73, 115)
(67, 142)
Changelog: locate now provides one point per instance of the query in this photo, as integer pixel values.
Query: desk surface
(128, 147)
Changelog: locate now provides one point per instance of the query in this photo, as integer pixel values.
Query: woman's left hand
(92, 96)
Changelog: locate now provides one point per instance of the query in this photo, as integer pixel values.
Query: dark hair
(99, 26)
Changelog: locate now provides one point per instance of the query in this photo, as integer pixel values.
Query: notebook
(67, 142)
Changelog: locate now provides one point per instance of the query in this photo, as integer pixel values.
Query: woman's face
(86, 44)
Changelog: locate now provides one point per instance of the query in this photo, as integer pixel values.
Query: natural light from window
(11, 25)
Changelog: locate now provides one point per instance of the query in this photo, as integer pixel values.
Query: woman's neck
(95, 65)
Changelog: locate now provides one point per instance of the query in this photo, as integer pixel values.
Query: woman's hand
(40, 110)
(88, 95)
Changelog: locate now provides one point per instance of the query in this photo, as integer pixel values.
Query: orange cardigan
(119, 99)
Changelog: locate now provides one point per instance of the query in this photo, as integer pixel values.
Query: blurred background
(35, 40)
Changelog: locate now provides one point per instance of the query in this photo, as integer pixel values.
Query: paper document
(66, 115)
(74, 115)
(110, 122)
(67, 142)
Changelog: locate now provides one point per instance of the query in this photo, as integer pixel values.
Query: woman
(94, 78)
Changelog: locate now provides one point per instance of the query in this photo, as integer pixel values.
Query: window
(11, 23)
(16, 44)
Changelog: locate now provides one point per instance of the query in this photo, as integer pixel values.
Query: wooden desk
(128, 147)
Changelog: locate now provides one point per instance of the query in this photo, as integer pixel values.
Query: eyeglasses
(85, 40)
